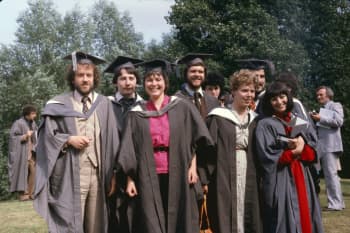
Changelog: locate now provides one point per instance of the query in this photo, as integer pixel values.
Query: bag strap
(204, 211)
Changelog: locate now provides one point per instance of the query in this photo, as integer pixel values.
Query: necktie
(197, 96)
(84, 100)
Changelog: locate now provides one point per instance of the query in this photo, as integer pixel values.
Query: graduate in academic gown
(233, 198)
(21, 159)
(286, 150)
(194, 75)
(62, 153)
(157, 152)
(125, 80)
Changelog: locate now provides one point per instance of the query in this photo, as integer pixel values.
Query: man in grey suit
(328, 122)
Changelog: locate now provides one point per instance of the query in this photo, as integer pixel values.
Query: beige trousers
(91, 198)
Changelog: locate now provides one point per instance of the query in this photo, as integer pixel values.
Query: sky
(147, 15)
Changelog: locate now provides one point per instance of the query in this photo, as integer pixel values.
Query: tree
(232, 30)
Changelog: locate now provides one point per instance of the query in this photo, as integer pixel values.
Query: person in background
(21, 159)
(328, 122)
(157, 151)
(214, 84)
(77, 146)
(125, 80)
(286, 148)
(233, 194)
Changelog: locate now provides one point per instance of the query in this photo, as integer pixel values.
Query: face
(126, 84)
(321, 96)
(31, 116)
(154, 85)
(213, 90)
(84, 79)
(195, 76)
(279, 103)
(261, 79)
(244, 95)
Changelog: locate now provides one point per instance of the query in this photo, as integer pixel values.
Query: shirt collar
(191, 92)
(77, 96)
(119, 96)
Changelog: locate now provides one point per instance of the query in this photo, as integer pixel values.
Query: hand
(192, 175)
(299, 147)
(205, 189)
(112, 186)
(292, 143)
(28, 135)
(78, 142)
(131, 188)
(315, 116)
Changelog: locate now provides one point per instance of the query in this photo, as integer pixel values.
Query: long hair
(276, 89)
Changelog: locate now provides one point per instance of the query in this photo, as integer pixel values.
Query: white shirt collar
(77, 96)
(191, 91)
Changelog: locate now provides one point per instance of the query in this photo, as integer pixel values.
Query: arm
(337, 118)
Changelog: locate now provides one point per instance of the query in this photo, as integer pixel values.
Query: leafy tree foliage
(232, 30)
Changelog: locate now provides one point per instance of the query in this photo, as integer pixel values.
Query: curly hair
(242, 77)
(28, 109)
(71, 74)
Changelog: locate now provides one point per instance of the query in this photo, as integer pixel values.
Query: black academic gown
(57, 189)
(18, 154)
(281, 209)
(222, 195)
(187, 130)
(118, 201)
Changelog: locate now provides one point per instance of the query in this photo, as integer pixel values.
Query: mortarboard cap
(256, 64)
(122, 62)
(78, 57)
(159, 65)
(193, 58)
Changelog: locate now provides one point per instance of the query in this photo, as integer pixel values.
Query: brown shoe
(24, 197)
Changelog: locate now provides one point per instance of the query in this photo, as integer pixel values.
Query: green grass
(20, 217)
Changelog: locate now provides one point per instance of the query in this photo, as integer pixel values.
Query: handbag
(204, 217)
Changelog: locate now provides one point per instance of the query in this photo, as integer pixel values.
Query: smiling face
(279, 103)
(126, 83)
(155, 85)
(195, 76)
(260, 74)
(243, 96)
(84, 79)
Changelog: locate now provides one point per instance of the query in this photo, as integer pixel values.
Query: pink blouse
(160, 134)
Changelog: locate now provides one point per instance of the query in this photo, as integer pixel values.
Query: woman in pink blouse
(157, 155)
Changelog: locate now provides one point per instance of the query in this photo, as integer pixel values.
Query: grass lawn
(19, 217)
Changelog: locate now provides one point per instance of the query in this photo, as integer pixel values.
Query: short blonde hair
(243, 77)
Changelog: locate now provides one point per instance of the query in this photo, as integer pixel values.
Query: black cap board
(159, 65)
(122, 62)
(193, 58)
(256, 64)
(78, 57)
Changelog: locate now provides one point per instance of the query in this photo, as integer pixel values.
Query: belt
(241, 148)
(161, 148)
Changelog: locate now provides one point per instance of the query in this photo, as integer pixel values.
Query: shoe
(24, 197)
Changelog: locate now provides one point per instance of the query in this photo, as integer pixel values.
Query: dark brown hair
(28, 109)
(276, 89)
